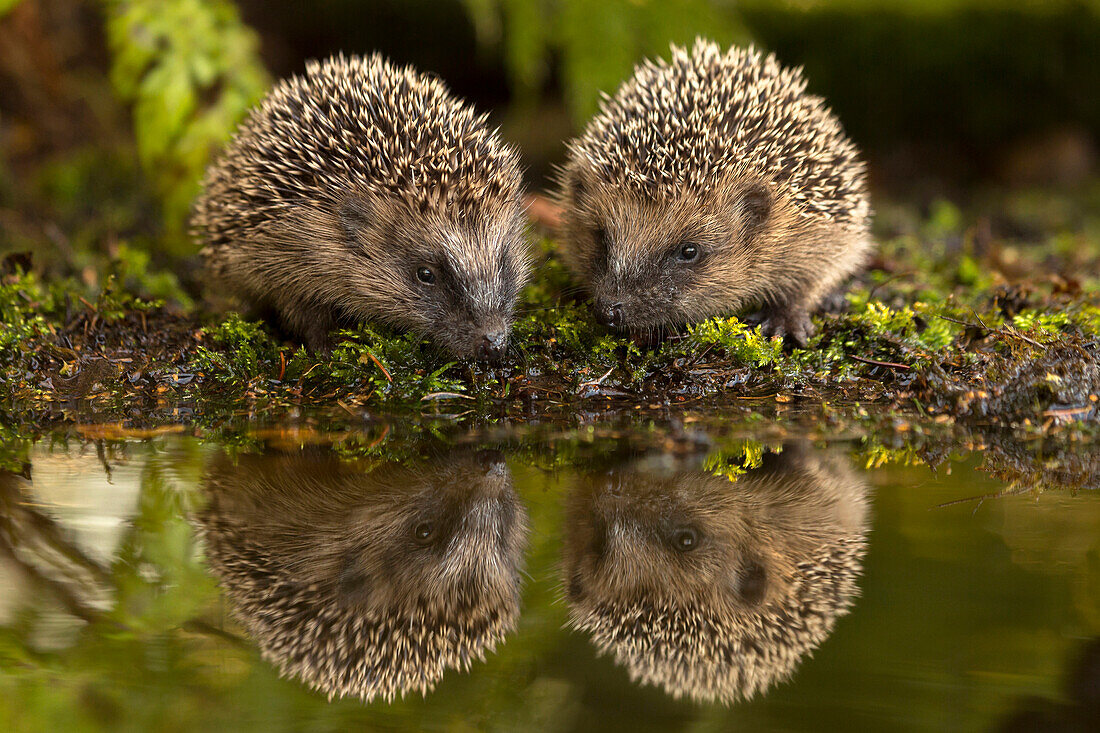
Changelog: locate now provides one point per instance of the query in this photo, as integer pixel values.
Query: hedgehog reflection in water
(367, 584)
(711, 589)
(709, 184)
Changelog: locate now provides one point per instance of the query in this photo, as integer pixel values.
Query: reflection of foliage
(191, 69)
(877, 455)
(736, 461)
(14, 447)
(6, 5)
(130, 650)
(598, 43)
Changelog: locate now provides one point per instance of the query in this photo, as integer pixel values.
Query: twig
(596, 382)
(983, 497)
(898, 276)
(198, 626)
(445, 396)
(1067, 411)
(1003, 331)
(876, 362)
(699, 358)
(377, 441)
(384, 370)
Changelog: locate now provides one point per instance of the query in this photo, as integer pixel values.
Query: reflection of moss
(14, 448)
(735, 462)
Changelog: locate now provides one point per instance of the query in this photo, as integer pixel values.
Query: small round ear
(352, 584)
(755, 206)
(574, 589)
(751, 583)
(355, 215)
(577, 184)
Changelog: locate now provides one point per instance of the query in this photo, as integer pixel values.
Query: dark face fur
(685, 256)
(698, 584)
(449, 537)
(456, 282)
(682, 536)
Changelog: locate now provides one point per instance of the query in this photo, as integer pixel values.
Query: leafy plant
(596, 45)
(191, 69)
(743, 343)
(6, 6)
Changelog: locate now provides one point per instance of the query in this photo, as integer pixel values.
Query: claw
(794, 327)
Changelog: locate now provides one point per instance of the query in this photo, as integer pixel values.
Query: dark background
(110, 111)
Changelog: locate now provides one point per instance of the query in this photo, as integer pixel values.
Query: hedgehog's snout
(610, 314)
(480, 337)
(492, 345)
(492, 462)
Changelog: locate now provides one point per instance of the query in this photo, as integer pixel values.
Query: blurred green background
(110, 109)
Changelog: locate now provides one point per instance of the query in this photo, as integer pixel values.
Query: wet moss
(952, 321)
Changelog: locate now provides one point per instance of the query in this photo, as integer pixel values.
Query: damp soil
(149, 364)
(955, 329)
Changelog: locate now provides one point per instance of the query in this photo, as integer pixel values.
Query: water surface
(517, 583)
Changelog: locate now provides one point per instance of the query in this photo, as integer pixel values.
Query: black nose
(610, 315)
(492, 346)
(491, 461)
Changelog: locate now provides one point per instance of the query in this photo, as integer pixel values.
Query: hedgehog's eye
(425, 275)
(685, 539)
(600, 249)
(423, 532)
(688, 252)
(600, 237)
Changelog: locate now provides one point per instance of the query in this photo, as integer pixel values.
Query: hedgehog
(367, 192)
(367, 584)
(710, 589)
(708, 185)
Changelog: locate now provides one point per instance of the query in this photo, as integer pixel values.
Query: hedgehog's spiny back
(690, 121)
(354, 125)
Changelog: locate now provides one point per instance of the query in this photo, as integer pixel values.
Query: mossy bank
(985, 320)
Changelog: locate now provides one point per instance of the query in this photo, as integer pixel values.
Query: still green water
(177, 584)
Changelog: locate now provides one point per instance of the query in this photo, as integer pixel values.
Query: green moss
(24, 308)
(240, 351)
(916, 333)
(367, 365)
(741, 343)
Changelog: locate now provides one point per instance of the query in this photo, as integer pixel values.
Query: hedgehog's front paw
(792, 325)
(318, 337)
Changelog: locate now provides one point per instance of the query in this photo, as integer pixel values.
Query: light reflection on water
(780, 587)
